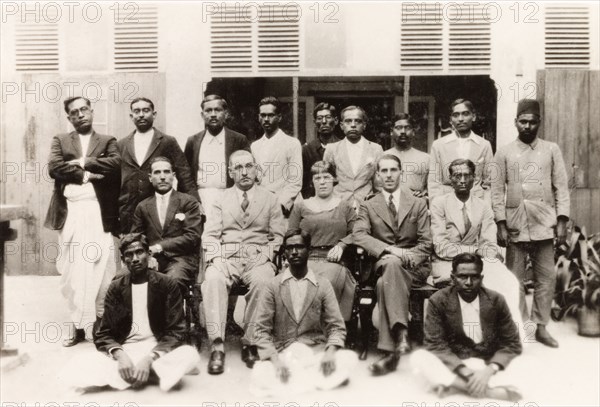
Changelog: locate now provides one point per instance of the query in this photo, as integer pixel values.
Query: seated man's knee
(214, 275)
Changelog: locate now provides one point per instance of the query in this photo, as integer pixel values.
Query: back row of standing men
(525, 183)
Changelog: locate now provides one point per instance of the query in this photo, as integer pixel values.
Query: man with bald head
(530, 198)
(242, 235)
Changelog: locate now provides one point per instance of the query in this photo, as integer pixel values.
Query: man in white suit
(462, 143)
(278, 155)
(241, 238)
(355, 157)
(464, 223)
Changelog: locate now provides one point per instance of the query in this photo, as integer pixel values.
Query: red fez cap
(528, 106)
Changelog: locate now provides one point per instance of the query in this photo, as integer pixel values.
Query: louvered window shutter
(421, 40)
(36, 45)
(278, 41)
(567, 36)
(230, 42)
(469, 46)
(136, 41)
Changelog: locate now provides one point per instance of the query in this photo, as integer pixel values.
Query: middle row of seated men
(246, 228)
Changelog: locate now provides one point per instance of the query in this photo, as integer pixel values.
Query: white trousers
(305, 374)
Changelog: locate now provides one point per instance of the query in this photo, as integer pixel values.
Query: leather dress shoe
(404, 344)
(249, 355)
(542, 336)
(385, 365)
(216, 364)
(79, 336)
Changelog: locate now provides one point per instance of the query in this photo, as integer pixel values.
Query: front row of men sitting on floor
(286, 316)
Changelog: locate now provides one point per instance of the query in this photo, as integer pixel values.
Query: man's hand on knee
(142, 372)
(125, 366)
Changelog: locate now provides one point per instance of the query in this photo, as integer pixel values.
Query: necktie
(245, 202)
(393, 210)
(162, 210)
(466, 219)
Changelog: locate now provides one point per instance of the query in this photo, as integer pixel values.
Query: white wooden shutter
(567, 36)
(421, 39)
(278, 40)
(36, 44)
(469, 39)
(136, 40)
(230, 41)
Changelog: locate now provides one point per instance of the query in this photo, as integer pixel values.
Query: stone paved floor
(34, 314)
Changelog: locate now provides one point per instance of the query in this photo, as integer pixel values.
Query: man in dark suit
(141, 332)
(173, 223)
(208, 152)
(469, 336)
(393, 226)
(83, 208)
(326, 120)
(137, 149)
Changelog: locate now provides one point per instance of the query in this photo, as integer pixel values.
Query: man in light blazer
(278, 155)
(462, 143)
(393, 226)
(299, 328)
(173, 224)
(240, 241)
(208, 152)
(137, 149)
(355, 157)
(463, 223)
(469, 337)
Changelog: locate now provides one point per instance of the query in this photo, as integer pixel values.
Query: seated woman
(329, 220)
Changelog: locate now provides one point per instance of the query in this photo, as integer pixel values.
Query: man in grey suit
(241, 237)
(393, 226)
(137, 149)
(299, 320)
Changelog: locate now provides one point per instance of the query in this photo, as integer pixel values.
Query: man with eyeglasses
(415, 163)
(355, 157)
(241, 238)
(278, 155)
(137, 150)
(84, 211)
(464, 223)
(470, 337)
(325, 123)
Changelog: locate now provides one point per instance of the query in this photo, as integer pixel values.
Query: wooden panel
(594, 220)
(580, 207)
(593, 147)
(551, 103)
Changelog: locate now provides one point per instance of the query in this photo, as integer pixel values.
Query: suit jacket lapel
(152, 210)
(156, 139)
(406, 203)
(255, 207)
(286, 297)
(130, 149)
(234, 206)
(382, 210)
(455, 314)
(94, 141)
(311, 292)
(455, 214)
(76, 144)
(485, 310)
(228, 146)
(171, 209)
(345, 159)
(197, 144)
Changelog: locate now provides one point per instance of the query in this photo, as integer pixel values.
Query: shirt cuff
(111, 350)
(86, 177)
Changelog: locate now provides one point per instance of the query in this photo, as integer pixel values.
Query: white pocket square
(180, 216)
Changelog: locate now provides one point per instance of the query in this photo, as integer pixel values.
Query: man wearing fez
(530, 199)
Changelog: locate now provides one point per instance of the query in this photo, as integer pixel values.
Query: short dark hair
(271, 100)
(297, 232)
(130, 238)
(160, 158)
(325, 106)
(70, 100)
(466, 258)
(389, 157)
(465, 102)
(210, 98)
(352, 107)
(462, 161)
(321, 167)
(141, 99)
(403, 116)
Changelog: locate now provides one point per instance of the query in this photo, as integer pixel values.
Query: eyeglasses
(240, 167)
(76, 112)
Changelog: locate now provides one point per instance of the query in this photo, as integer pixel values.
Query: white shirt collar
(473, 304)
(360, 144)
(395, 194)
(310, 276)
(149, 133)
(278, 134)
(219, 138)
(468, 204)
(453, 136)
(249, 193)
(167, 195)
